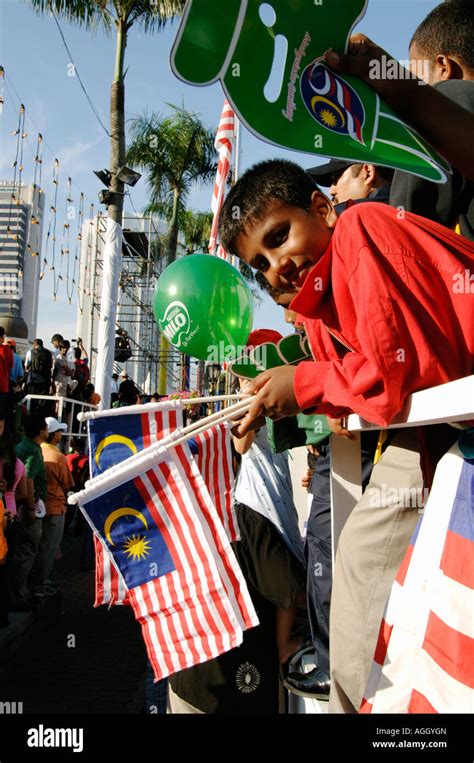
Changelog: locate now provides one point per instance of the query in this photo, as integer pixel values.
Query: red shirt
(6, 365)
(397, 295)
(77, 463)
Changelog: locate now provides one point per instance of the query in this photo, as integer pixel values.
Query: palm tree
(196, 228)
(121, 16)
(176, 151)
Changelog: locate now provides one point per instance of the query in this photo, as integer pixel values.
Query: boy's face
(288, 241)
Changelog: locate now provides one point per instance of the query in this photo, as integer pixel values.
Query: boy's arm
(446, 125)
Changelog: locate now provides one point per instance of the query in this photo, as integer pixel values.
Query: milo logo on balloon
(176, 324)
(332, 102)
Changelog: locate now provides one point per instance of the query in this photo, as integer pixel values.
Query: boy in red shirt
(387, 306)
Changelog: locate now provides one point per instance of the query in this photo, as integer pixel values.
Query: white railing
(66, 417)
(446, 404)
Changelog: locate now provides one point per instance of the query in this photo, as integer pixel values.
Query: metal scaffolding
(141, 268)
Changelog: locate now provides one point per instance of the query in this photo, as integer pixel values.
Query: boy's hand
(274, 397)
(361, 52)
(337, 427)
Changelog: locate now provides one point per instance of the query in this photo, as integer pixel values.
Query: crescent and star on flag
(135, 546)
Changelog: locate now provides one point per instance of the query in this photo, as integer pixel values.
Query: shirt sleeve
(373, 381)
(31, 466)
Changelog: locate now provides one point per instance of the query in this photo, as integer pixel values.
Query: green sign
(268, 57)
(289, 351)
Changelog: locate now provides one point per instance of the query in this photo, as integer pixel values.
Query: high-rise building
(21, 227)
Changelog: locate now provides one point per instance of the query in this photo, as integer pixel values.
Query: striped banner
(224, 146)
(424, 659)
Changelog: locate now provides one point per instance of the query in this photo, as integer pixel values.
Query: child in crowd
(381, 303)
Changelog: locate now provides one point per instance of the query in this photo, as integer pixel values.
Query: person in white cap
(58, 483)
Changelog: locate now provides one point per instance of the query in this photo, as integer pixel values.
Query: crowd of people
(36, 473)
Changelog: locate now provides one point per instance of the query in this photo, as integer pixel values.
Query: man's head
(38, 344)
(55, 430)
(77, 353)
(56, 339)
(36, 427)
(442, 46)
(12, 344)
(350, 181)
(277, 222)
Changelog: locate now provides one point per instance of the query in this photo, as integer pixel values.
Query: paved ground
(74, 658)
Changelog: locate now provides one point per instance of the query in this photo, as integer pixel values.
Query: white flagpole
(136, 464)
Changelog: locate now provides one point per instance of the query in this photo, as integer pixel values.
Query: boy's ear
(322, 206)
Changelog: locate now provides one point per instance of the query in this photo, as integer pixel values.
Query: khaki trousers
(178, 706)
(371, 548)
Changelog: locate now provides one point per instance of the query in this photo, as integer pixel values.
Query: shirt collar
(315, 289)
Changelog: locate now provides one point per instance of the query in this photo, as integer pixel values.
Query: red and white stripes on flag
(424, 658)
(214, 460)
(224, 145)
(110, 587)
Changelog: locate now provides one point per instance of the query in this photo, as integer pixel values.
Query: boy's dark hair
(56, 338)
(33, 424)
(448, 29)
(276, 180)
(77, 353)
(64, 343)
(78, 443)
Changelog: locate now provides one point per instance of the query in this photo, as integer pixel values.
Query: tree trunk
(113, 249)
(117, 124)
(172, 246)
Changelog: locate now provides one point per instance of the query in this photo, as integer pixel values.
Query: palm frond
(86, 13)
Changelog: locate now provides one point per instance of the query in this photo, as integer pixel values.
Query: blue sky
(36, 62)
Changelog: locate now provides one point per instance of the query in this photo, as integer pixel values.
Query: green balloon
(204, 307)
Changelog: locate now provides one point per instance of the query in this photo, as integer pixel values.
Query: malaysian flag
(332, 102)
(224, 146)
(185, 586)
(113, 438)
(214, 460)
(424, 659)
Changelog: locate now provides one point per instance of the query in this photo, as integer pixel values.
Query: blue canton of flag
(113, 439)
(332, 102)
(124, 522)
